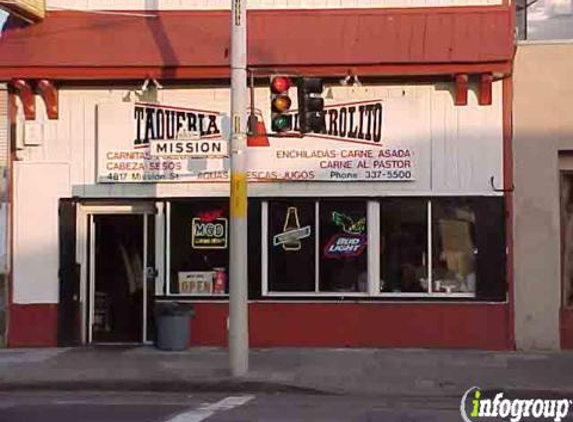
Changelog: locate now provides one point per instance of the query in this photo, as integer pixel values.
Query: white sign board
(374, 139)
(192, 148)
(357, 144)
(141, 143)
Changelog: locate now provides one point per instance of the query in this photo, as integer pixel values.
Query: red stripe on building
(33, 325)
(190, 44)
(274, 324)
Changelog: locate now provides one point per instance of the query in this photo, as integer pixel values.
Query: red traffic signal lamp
(310, 105)
(281, 119)
(280, 84)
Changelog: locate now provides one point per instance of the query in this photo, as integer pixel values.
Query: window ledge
(380, 301)
(544, 42)
(341, 295)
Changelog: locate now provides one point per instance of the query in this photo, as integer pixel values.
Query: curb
(234, 386)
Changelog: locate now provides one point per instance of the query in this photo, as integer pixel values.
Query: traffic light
(310, 105)
(281, 120)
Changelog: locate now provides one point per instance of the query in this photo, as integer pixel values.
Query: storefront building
(390, 228)
(542, 150)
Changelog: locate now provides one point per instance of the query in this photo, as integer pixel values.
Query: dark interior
(118, 307)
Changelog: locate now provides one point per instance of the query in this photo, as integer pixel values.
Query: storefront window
(343, 247)
(424, 247)
(542, 20)
(291, 247)
(199, 253)
(322, 255)
(454, 249)
(403, 246)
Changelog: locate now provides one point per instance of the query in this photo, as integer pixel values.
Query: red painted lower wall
(440, 325)
(209, 325)
(566, 328)
(33, 325)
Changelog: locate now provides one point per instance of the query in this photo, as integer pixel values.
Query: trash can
(173, 322)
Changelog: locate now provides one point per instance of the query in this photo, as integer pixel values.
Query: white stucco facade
(459, 153)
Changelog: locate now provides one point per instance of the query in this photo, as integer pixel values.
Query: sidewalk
(405, 372)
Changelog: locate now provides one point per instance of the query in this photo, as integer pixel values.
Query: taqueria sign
(370, 140)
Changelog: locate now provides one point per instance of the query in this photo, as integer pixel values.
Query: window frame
(522, 29)
(565, 170)
(265, 292)
(373, 212)
(169, 294)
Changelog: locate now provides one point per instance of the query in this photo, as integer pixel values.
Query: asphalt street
(169, 407)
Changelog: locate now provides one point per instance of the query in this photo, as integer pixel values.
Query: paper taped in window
(457, 246)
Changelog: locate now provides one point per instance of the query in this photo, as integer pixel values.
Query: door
(121, 275)
(69, 310)
(566, 205)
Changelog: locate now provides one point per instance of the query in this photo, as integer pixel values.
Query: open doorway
(118, 278)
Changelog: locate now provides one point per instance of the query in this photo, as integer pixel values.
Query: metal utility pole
(238, 306)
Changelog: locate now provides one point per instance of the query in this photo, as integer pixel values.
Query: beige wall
(543, 126)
